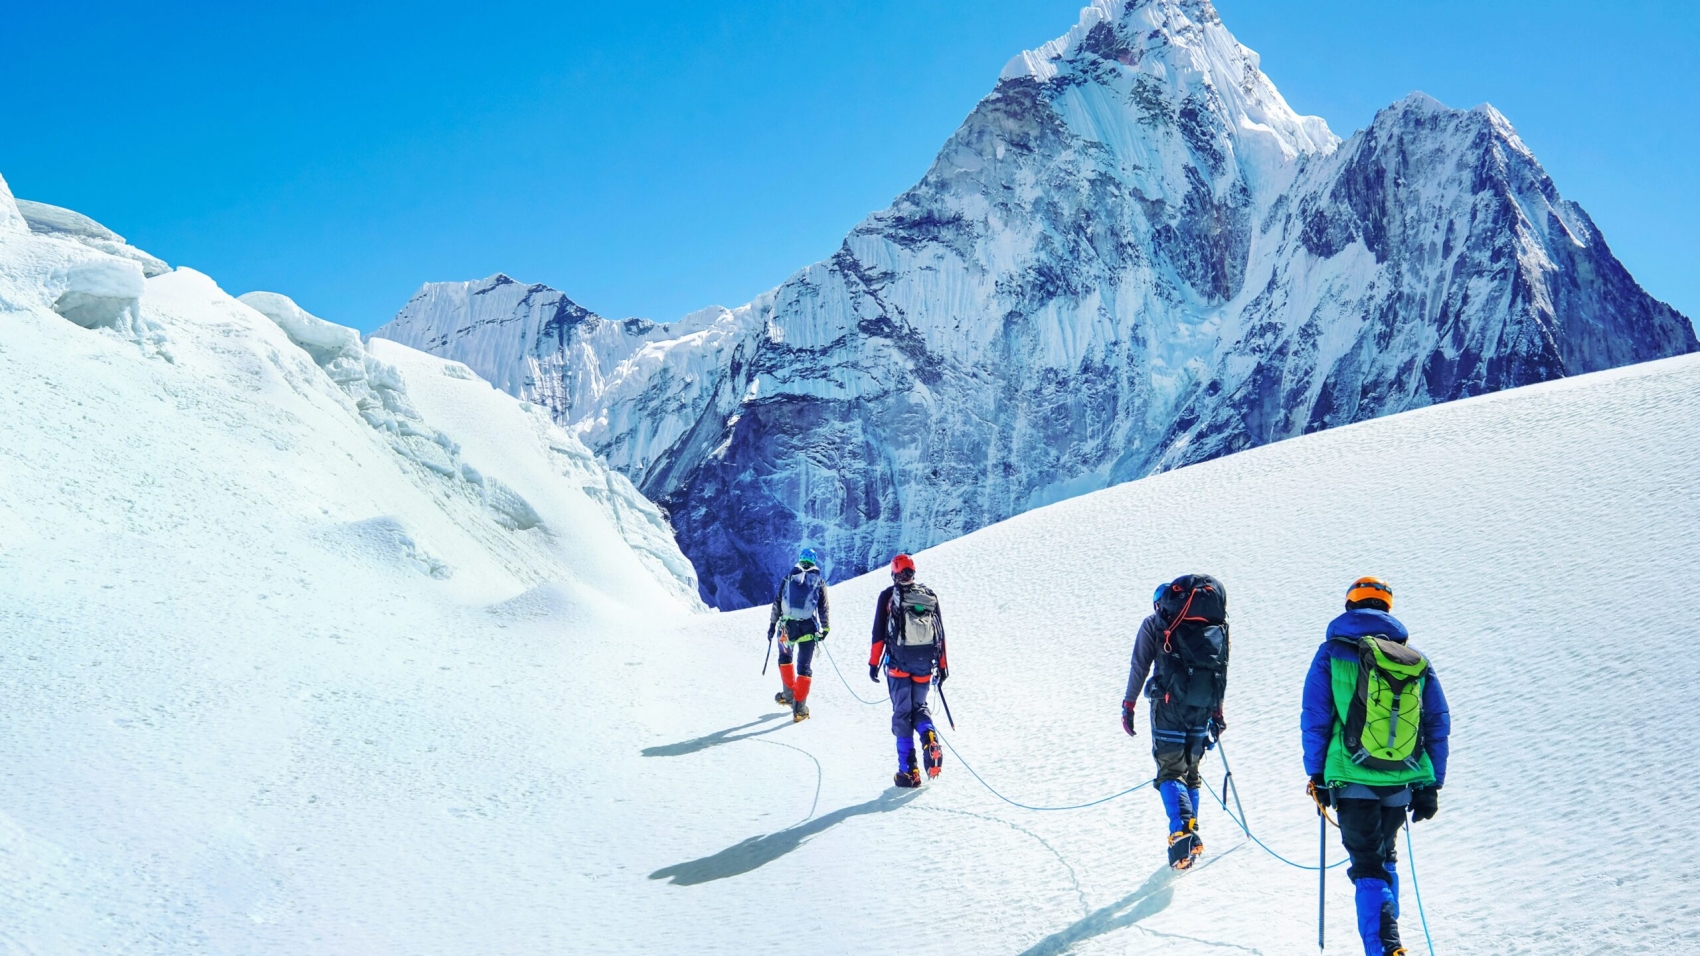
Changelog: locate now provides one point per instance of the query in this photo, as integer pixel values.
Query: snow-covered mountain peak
(1180, 54)
(1132, 255)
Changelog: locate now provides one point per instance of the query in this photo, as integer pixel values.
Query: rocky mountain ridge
(1133, 255)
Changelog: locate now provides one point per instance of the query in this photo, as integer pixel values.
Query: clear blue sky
(650, 158)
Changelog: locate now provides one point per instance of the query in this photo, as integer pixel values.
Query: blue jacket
(1318, 719)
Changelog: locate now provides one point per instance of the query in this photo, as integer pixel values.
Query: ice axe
(946, 704)
(769, 654)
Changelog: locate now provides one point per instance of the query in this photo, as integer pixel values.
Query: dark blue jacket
(1317, 720)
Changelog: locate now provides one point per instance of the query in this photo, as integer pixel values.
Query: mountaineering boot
(932, 755)
(787, 677)
(907, 775)
(800, 706)
(1181, 846)
(783, 698)
(1377, 925)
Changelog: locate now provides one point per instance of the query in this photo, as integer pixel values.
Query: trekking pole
(946, 704)
(1227, 779)
(1321, 873)
(769, 654)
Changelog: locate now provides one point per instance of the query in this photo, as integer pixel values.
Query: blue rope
(1013, 803)
(834, 662)
(1253, 837)
(1411, 857)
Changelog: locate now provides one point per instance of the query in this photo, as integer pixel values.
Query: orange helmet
(1370, 589)
(902, 563)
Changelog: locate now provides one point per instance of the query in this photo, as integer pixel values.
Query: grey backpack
(914, 618)
(800, 596)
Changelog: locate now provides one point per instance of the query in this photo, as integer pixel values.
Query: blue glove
(1127, 717)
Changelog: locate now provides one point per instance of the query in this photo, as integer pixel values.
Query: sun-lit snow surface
(1131, 256)
(277, 678)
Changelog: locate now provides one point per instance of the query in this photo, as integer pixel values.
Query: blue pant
(803, 652)
(1370, 830)
(909, 716)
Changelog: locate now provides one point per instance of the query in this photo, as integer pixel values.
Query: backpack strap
(1167, 649)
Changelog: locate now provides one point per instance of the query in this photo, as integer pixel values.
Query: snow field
(1531, 538)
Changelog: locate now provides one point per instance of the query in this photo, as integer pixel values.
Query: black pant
(804, 652)
(1177, 741)
(1370, 832)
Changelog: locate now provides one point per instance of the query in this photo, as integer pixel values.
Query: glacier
(1132, 256)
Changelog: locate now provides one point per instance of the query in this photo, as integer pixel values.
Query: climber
(1375, 727)
(801, 617)
(908, 640)
(1183, 645)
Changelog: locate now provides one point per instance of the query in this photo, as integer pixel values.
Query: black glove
(1318, 789)
(944, 673)
(1220, 721)
(1127, 717)
(1425, 803)
(874, 673)
(823, 633)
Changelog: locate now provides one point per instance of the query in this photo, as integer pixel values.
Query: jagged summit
(1132, 255)
(1182, 53)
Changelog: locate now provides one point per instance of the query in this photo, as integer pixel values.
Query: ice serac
(1132, 255)
(11, 220)
(48, 220)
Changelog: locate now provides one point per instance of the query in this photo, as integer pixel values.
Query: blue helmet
(809, 557)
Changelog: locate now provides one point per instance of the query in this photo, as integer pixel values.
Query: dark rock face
(1131, 256)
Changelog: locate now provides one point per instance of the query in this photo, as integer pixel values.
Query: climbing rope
(993, 791)
(1244, 823)
(834, 662)
(1411, 857)
(1253, 837)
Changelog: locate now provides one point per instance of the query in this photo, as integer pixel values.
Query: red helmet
(902, 563)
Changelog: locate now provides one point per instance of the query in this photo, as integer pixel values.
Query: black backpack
(1192, 662)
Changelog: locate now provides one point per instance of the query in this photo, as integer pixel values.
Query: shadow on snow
(1152, 897)
(728, 736)
(758, 851)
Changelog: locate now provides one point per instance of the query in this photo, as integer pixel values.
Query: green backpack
(1384, 722)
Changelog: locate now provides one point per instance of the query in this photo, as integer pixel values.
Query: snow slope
(251, 578)
(1132, 255)
(1533, 537)
(247, 713)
